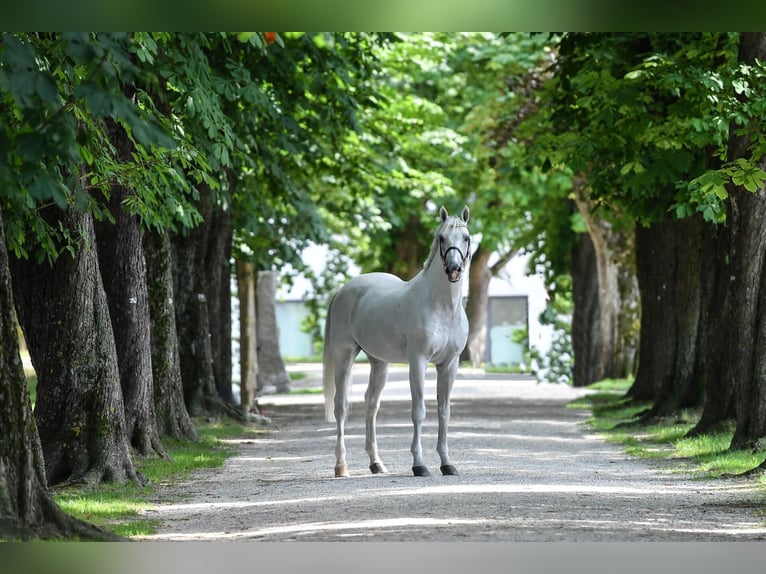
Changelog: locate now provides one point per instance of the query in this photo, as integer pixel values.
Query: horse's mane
(452, 221)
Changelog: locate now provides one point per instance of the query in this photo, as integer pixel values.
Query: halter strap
(463, 258)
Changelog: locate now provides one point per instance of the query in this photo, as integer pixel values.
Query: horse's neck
(441, 293)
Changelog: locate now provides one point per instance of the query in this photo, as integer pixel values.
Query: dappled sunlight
(525, 475)
(359, 526)
(516, 438)
(502, 521)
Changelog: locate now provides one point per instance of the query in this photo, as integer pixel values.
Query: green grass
(512, 369)
(308, 391)
(118, 507)
(617, 418)
(310, 359)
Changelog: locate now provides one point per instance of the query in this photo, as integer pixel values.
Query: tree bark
(744, 349)
(271, 367)
(192, 323)
(248, 349)
(218, 274)
(585, 315)
(190, 287)
(715, 330)
(172, 417)
(27, 509)
(669, 262)
(64, 314)
(613, 252)
(477, 307)
(409, 250)
(123, 270)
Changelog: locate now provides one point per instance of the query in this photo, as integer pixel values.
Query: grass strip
(119, 507)
(617, 418)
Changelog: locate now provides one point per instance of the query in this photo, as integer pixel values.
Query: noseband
(463, 258)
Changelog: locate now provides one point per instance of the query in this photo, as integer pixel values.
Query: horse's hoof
(420, 471)
(341, 470)
(378, 468)
(449, 469)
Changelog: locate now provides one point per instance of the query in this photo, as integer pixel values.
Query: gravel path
(529, 471)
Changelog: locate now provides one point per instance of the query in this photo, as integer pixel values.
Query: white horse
(416, 322)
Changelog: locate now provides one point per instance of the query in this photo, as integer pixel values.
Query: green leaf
(720, 191)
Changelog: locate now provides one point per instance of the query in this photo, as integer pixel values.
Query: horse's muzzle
(454, 264)
(454, 272)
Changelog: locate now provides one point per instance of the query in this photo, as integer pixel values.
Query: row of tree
(134, 167)
(663, 134)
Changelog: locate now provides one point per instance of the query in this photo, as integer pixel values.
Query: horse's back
(368, 308)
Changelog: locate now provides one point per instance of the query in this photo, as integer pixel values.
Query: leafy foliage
(58, 93)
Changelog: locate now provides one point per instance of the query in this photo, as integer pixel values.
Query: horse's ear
(443, 214)
(466, 214)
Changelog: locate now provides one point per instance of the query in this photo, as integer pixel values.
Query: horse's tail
(328, 372)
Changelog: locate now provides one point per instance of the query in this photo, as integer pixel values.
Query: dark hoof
(449, 469)
(378, 468)
(420, 471)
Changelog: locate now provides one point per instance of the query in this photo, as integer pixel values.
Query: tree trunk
(614, 253)
(715, 330)
(172, 417)
(27, 510)
(123, 270)
(585, 323)
(64, 314)
(744, 348)
(248, 349)
(218, 274)
(669, 261)
(271, 367)
(409, 250)
(190, 287)
(477, 307)
(747, 212)
(192, 324)
(628, 321)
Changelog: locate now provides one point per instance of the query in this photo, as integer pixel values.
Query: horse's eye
(466, 238)
(441, 238)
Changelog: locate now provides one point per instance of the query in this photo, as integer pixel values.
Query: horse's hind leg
(378, 376)
(344, 362)
(445, 376)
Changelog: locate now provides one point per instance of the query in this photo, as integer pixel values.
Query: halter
(463, 258)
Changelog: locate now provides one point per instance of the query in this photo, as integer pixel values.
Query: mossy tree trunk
(123, 269)
(193, 325)
(218, 295)
(585, 325)
(172, 417)
(63, 311)
(673, 289)
(744, 348)
(27, 509)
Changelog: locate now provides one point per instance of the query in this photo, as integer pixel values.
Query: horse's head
(454, 243)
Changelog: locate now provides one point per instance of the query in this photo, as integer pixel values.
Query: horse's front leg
(445, 376)
(378, 376)
(417, 383)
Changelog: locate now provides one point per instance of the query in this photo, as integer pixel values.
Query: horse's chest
(444, 338)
